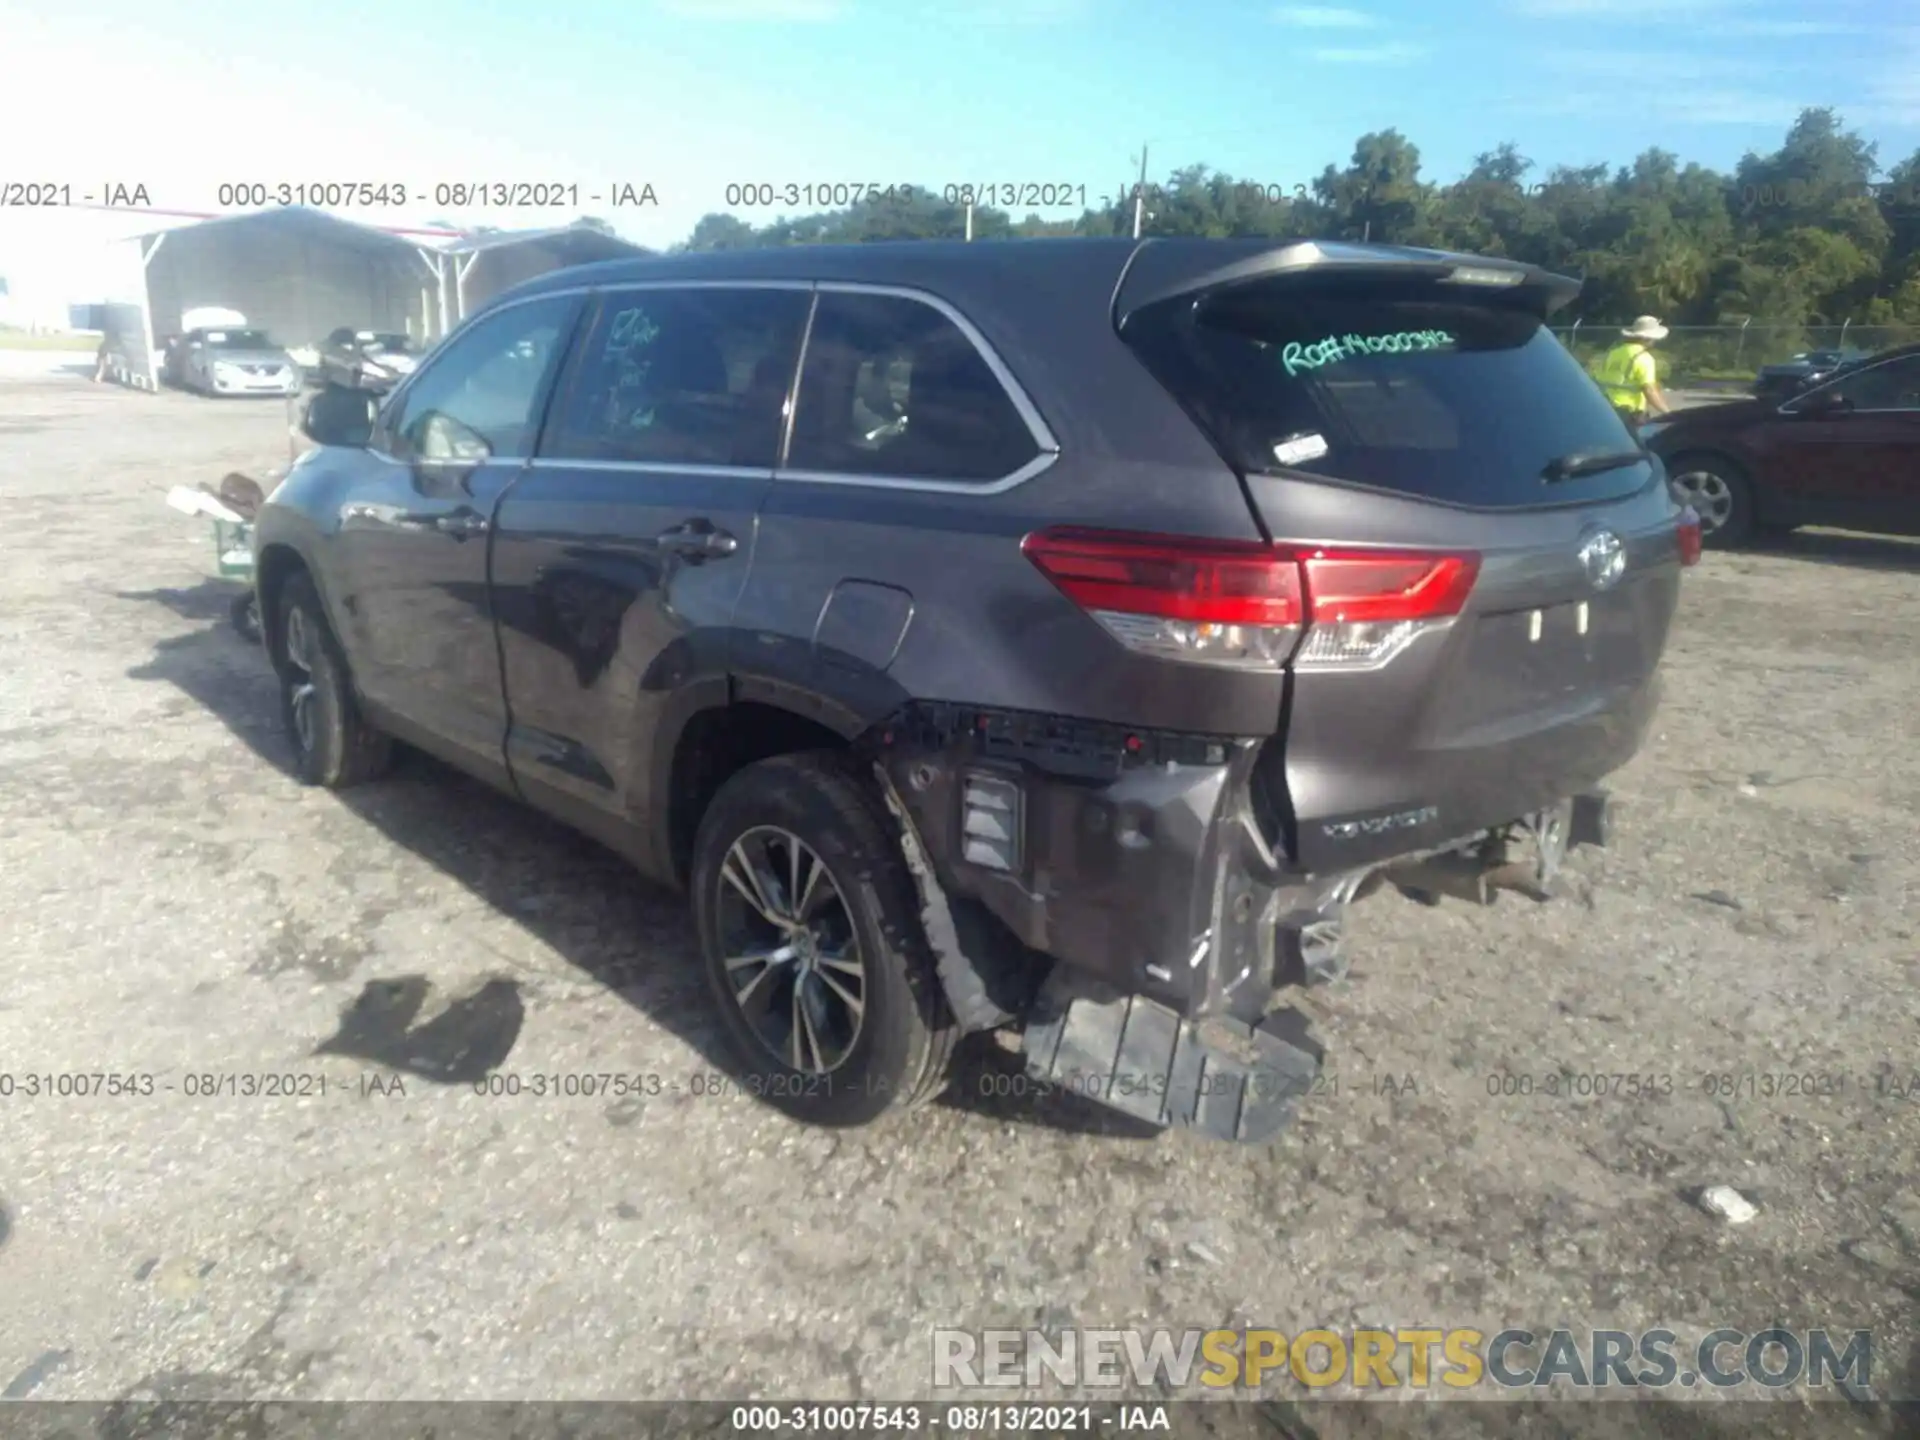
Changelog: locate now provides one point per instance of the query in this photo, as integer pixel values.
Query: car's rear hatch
(1404, 403)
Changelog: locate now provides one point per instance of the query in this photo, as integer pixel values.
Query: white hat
(1645, 328)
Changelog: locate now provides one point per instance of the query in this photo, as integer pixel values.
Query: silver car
(231, 362)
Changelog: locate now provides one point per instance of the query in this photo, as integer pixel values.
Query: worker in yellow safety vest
(1628, 374)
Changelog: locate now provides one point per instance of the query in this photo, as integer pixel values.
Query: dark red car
(1844, 452)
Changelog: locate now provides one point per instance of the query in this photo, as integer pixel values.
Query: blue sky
(689, 95)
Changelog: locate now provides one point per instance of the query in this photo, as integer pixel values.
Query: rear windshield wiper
(1588, 462)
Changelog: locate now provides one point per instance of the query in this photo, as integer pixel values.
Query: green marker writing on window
(1334, 348)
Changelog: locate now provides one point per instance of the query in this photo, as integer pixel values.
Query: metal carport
(485, 265)
(296, 273)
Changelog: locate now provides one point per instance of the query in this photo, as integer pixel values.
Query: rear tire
(333, 745)
(811, 938)
(1720, 494)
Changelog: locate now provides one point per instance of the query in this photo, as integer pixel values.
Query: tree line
(1811, 234)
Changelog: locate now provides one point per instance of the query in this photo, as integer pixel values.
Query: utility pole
(1140, 194)
(970, 220)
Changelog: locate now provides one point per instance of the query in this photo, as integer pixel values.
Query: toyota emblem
(1604, 558)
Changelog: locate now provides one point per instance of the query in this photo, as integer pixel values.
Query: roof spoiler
(1170, 269)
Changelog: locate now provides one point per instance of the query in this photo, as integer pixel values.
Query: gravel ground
(177, 906)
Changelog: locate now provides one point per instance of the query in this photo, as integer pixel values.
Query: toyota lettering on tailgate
(1381, 824)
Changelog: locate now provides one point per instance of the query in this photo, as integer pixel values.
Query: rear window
(1397, 389)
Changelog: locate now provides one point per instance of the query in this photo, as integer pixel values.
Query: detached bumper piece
(1228, 1080)
(1591, 822)
(1477, 872)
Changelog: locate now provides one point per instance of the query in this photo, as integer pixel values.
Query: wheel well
(271, 571)
(1714, 457)
(719, 743)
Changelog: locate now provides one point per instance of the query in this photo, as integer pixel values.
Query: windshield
(238, 340)
(1407, 388)
(385, 344)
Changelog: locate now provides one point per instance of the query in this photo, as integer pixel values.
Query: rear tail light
(1366, 607)
(1690, 539)
(1253, 606)
(1214, 602)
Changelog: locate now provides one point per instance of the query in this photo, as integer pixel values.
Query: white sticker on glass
(1298, 449)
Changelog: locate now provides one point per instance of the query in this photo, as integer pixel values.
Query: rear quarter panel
(987, 628)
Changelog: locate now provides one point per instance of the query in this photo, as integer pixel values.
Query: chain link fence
(1731, 354)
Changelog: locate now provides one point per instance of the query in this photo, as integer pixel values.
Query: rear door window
(1405, 389)
(892, 388)
(682, 377)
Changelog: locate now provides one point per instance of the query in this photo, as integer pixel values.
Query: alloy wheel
(302, 696)
(790, 950)
(1709, 495)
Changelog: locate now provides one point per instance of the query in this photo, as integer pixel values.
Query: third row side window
(892, 387)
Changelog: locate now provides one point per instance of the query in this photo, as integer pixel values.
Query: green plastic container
(233, 549)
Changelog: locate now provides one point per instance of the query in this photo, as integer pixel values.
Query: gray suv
(1045, 636)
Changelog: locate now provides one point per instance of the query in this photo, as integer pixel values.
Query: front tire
(333, 745)
(811, 938)
(1720, 494)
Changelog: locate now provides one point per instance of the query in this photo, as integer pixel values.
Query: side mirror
(339, 416)
(448, 441)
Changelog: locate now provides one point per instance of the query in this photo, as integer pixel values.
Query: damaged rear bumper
(1122, 895)
(1226, 1079)
(1132, 859)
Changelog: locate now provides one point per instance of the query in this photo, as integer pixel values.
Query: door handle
(698, 540)
(462, 524)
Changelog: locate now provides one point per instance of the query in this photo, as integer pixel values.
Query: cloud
(1610, 9)
(1325, 17)
(1688, 12)
(1013, 12)
(1720, 107)
(1650, 73)
(1789, 29)
(1368, 55)
(1890, 95)
(964, 12)
(1730, 107)
(1660, 86)
(809, 12)
(1724, 16)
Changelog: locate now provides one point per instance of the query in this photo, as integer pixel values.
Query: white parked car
(230, 362)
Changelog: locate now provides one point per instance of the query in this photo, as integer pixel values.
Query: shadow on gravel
(992, 1083)
(573, 895)
(1857, 552)
(466, 1041)
(209, 600)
